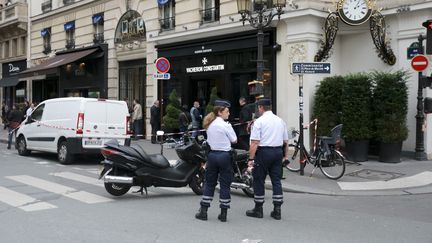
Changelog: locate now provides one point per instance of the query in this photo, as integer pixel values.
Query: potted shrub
(213, 97)
(390, 113)
(356, 116)
(327, 104)
(170, 120)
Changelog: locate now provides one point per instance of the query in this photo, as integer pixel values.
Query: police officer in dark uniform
(268, 135)
(220, 135)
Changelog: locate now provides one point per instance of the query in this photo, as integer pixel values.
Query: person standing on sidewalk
(269, 133)
(29, 110)
(15, 117)
(155, 120)
(245, 116)
(196, 118)
(137, 119)
(220, 135)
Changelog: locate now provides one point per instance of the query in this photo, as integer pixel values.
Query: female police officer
(220, 135)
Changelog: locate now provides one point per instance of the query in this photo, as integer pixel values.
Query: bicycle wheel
(294, 158)
(333, 165)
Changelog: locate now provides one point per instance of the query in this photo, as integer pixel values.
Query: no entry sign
(419, 63)
(162, 65)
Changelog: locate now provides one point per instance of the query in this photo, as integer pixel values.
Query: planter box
(390, 152)
(357, 151)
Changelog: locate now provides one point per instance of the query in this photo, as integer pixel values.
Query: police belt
(269, 147)
(219, 151)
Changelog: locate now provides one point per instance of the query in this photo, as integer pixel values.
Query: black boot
(202, 213)
(256, 212)
(276, 213)
(223, 215)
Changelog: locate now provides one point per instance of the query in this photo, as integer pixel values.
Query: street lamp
(260, 15)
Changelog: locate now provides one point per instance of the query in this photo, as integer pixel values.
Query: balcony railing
(46, 6)
(66, 2)
(47, 48)
(70, 44)
(98, 38)
(209, 15)
(167, 23)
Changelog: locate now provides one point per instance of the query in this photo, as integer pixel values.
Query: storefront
(76, 73)
(14, 91)
(225, 62)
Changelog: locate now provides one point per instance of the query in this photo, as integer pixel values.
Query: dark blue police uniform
(271, 133)
(220, 135)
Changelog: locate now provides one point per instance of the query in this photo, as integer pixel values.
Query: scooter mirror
(160, 133)
(200, 138)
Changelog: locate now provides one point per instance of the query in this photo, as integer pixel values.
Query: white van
(69, 126)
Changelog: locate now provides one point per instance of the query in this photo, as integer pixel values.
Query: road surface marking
(70, 192)
(79, 178)
(42, 163)
(421, 179)
(22, 201)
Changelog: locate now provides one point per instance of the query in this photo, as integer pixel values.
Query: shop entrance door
(201, 87)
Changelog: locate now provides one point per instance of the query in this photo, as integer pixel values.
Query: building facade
(114, 45)
(13, 51)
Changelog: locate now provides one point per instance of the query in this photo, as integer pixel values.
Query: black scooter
(126, 166)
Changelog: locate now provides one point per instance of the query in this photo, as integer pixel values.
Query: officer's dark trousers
(218, 164)
(268, 160)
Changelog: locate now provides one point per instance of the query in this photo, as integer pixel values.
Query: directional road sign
(419, 63)
(162, 76)
(310, 68)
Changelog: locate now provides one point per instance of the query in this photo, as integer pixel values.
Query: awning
(57, 61)
(9, 81)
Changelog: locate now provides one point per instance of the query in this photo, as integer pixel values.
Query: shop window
(98, 28)
(46, 35)
(210, 11)
(167, 13)
(69, 28)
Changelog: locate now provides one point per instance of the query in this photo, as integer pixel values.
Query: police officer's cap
(223, 103)
(264, 101)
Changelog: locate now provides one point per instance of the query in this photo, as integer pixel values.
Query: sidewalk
(368, 178)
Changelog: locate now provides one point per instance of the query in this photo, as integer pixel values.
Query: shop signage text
(162, 76)
(205, 68)
(13, 69)
(203, 50)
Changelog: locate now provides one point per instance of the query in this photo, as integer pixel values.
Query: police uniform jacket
(220, 135)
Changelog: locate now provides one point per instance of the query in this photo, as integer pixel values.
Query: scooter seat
(241, 154)
(153, 159)
(159, 161)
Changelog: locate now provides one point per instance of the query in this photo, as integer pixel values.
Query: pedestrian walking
(220, 135)
(137, 118)
(4, 114)
(196, 118)
(155, 120)
(184, 119)
(268, 135)
(30, 110)
(15, 117)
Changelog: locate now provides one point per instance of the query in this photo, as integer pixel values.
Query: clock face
(354, 12)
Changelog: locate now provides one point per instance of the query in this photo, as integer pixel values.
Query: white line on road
(42, 162)
(82, 196)
(22, 201)
(79, 178)
(421, 179)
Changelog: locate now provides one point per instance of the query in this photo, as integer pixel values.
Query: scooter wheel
(117, 189)
(197, 183)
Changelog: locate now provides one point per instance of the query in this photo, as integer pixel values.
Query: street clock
(354, 12)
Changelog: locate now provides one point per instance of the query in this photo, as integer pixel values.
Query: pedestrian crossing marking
(69, 192)
(22, 201)
(42, 162)
(421, 179)
(79, 178)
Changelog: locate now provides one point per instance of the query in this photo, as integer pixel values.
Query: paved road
(42, 201)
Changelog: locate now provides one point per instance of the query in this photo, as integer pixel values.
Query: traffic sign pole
(419, 148)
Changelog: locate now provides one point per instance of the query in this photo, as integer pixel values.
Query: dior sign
(13, 69)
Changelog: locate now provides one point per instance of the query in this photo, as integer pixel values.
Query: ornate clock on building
(354, 12)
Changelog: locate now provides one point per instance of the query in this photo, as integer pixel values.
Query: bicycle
(326, 156)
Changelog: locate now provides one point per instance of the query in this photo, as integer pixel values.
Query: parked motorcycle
(242, 178)
(126, 166)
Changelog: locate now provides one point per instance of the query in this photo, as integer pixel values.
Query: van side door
(33, 130)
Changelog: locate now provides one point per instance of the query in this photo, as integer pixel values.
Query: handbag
(14, 124)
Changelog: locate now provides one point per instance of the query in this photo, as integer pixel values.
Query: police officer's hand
(250, 166)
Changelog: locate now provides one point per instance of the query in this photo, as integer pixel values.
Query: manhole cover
(375, 175)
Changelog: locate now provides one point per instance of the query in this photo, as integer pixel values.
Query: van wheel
(63, 154)
(22, 146)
